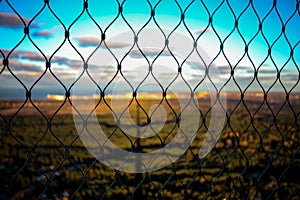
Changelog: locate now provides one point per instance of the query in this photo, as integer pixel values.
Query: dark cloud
(266, 78)
(13, 20)
(266, 64)
(47, 33)
(94, 42)
(242, 67)
(263, 71)
(66, 61)
(149, 53)
(66, 76)
(33, 56)
(225, 69)
(18, 66)
(4, 51)
(44, 33)
(103, 68)
(14, 54)
(290, 77)
(221, 69)
(87, 41)
(267, 71)
(243, 80)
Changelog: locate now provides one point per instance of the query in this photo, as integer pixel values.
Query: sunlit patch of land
(258, 131)
(54, 101)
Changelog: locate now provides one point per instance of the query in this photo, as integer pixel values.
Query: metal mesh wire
(256, 156)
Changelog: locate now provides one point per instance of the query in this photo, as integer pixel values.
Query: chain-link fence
(54, 70)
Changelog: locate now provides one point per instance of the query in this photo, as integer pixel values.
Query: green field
(257, 155)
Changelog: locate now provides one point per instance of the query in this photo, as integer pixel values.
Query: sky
(47, 24)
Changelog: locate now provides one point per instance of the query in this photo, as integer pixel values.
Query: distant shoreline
(53, 96)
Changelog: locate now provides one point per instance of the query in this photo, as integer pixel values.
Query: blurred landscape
(257, 155)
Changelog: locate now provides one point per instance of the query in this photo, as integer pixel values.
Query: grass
(254, 159)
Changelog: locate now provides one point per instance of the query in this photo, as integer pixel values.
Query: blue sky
(47, 33)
